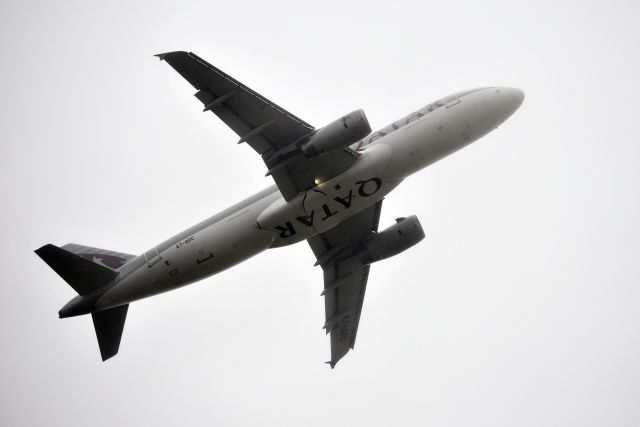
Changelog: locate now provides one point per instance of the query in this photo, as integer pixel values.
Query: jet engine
(340, 133)
(405, 233)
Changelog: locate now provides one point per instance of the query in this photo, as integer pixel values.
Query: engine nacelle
(340, 133)
(405, 233)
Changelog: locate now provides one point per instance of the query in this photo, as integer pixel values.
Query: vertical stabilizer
(81, 274)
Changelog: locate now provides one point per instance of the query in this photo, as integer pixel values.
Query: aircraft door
(152, 256)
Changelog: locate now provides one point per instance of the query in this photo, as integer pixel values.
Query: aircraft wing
(270, 130)
(345, 277)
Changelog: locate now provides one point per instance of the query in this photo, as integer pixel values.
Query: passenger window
(413, 117)
(452, 102)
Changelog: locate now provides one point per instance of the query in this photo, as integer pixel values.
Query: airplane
(329, 187)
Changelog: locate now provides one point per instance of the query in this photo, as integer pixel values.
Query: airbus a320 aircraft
(329, 187)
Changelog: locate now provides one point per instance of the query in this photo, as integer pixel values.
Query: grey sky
(520, 308)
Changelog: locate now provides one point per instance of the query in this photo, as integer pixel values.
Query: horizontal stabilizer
(82, 275)
(109, 325)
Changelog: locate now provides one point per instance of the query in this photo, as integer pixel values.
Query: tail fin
(106, 258)
(82, 275)
(86, 275)
(109, 325)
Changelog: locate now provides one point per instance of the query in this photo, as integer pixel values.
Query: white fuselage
(266, 220)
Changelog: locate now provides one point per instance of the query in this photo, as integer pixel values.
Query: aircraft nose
(488, 108)
(508, 100)
(494, 105)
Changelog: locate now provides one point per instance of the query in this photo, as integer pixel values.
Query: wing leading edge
(269, 129)
(345, 277)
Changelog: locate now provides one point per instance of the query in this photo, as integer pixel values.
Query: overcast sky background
(520, 308)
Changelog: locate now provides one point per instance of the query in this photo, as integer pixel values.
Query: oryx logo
(366, 188)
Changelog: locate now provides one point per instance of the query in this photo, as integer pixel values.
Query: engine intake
(405, 233)
(340, 133)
